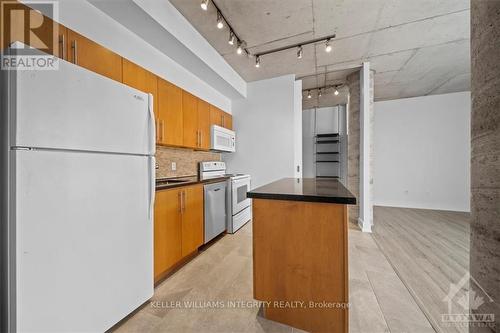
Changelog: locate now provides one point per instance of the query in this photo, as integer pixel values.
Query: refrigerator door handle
(152, 125)
(152, 186)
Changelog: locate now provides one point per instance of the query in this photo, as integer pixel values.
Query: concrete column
(353, 143)
(485, 158)
(360, 146)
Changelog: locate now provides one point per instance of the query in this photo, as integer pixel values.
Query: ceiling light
(239, 50)
(231, 38)
(204, 4)
(299, 52)
(320, 93)
(328, 47)
(220, 24)
(257, 61)
(336, 92)
(309, 94)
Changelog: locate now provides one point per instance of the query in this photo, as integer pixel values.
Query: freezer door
(76, 109)
(83, 239)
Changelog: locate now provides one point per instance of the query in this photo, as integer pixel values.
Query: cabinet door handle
(162, 130)
(183, 201)
(180, 201)
(201, 138)
(157, 126)
(62, 41)
(222, 120)
(74, 46)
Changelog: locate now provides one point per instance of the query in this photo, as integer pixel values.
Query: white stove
(239, 207)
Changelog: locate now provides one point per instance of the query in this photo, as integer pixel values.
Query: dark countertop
(163, 183)
(305, 189)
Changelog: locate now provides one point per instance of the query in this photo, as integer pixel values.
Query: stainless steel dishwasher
(215, 209)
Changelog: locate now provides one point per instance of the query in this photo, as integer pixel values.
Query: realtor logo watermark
(32, 37)
(464, 305)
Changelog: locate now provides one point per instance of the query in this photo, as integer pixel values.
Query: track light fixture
(328, 47)
(324, 89)
(239, 49)
(204, 4)
(231, 38)
(257, 61)
(299, 46)
(220, 24)
(299, 52)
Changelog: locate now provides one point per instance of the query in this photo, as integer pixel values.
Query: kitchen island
(300, 270)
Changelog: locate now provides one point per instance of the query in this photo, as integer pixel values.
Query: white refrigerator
(78, 191)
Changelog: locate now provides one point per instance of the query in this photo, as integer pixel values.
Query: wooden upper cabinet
(192, 219)
(167, 231)
(215, 116)
(228, 121)
(170, 124)
(220, 118)
(139, 78)
(190, 120)
(88, 54)
(204, 124)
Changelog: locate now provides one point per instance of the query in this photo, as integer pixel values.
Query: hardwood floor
(429, 250)
(222, 273)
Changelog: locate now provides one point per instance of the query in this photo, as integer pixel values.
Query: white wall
(86, 19)
(422, 152)
(264, 125)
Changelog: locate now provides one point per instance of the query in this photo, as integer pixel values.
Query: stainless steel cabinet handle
(183, 201)
(74, 46)
(162, 130)
(180, 201)
(62, 41)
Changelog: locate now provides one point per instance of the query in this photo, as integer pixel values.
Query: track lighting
(336, 92)
(239, 50)
(309, 94)
(220, 24)
(299, 52)
(328, 47)
(320, 92)
(204, 4)
(231, 38)
(257, 61)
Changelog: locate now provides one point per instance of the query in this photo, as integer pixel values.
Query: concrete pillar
(353, 123)
(360, 146)
(485, 158)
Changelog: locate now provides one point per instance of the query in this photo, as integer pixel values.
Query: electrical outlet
(174, 166)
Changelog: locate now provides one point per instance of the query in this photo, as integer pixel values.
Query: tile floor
(223, 273)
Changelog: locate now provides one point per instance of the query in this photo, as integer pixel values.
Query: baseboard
(362, 226)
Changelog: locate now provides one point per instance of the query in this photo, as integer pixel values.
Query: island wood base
(300, 255)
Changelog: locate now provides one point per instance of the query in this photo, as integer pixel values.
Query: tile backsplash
(186, 160)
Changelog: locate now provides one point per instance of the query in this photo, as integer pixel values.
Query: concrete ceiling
(416, 47)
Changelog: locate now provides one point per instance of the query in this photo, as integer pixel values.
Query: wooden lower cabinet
(192, 219)
(167, 231)
(178, 227)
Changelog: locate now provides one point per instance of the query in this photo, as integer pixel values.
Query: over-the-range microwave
(223, 139)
